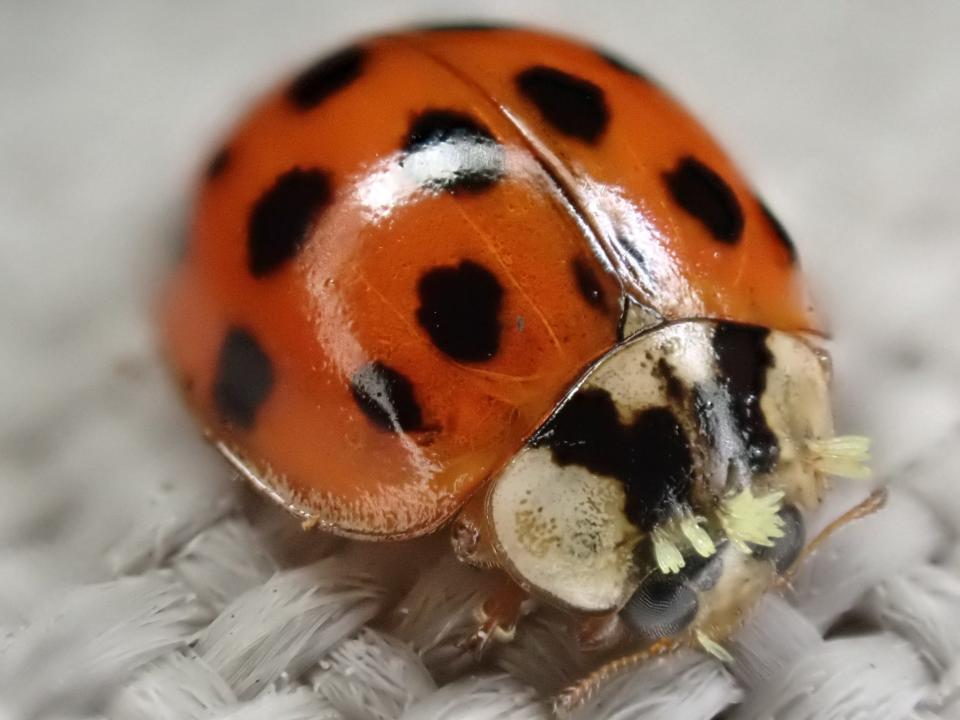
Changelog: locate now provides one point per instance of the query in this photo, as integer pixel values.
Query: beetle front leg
(505, 602)
(497, 616)
(597, 633)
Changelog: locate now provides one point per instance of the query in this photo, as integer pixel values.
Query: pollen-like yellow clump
(699, 538)
(845, 455)
(684, 529)
(665, 551)
(746, 518)
(714, 648)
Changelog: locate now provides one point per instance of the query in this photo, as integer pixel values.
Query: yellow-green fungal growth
(845, 456)
(747, 519)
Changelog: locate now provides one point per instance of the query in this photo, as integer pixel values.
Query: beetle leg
(497, 616)
(577, 694)
(600, 632)
(506, 602)
(874, 502)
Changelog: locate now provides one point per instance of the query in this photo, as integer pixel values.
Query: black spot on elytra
(572, 105)
(218, 164)
(780, 231)
(437, 126)
(660, 607)
(587, 283)
(325, 77)
(281, 219)
(786, 549)
(705, 195)
(743, 360)
(460, 310)
(386, 397)
(244, 379)
(452, 151)
(650, 456)
(621, 65)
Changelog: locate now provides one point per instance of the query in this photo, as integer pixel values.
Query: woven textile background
(137, 580)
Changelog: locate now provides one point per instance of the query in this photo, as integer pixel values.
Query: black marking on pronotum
(326, 77)
(786, 549)
(386, 397)
(587, 283)
(743, 360)
(460, 310)
(572, 105)
(780, 231)
(452, 151)
(707, 197)
(650, 456)
(244, 378)
(660, 607)
(218, 163)
(280, 221)
(671, 383)
(704, 412)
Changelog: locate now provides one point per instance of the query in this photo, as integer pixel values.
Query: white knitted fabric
(138, 580)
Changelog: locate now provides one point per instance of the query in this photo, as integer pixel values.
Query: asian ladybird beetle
(495, 279)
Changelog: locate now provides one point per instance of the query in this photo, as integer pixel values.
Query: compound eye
(660, 607)
(785, 550)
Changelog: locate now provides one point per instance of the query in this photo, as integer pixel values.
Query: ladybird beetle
(497, 279)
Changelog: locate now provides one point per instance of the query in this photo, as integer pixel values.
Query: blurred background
(844, 114)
